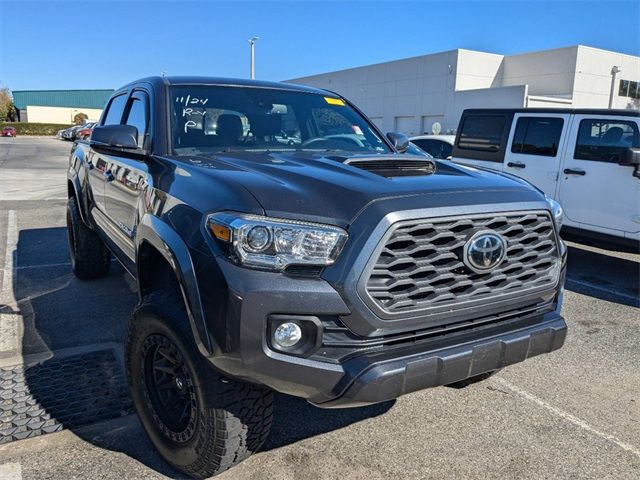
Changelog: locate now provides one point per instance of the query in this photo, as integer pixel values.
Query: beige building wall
(62, 115)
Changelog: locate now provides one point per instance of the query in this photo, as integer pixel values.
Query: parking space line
(568, 417)
(11, 471)
(12, 242)
(43, 265)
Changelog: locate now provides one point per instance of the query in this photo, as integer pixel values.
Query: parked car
(9, 132)
(85, 132)
(585, 159)
(439, 146)
(413, 149)
(343, 272)
(71, 132)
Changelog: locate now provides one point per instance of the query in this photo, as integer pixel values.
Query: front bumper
(368, 374)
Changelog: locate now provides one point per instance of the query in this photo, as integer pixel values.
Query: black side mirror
(399, 141)
(631, 158)
(122, 138)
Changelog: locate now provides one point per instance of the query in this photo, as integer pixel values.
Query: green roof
(61, 98)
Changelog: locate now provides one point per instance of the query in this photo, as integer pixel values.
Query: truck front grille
(419, 266)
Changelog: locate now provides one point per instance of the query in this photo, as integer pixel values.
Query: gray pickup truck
(280, 242)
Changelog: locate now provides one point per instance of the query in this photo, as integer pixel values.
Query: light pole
(252, 45)
(614, 72)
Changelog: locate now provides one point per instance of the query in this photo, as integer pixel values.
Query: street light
(252, 45)
(614, 72)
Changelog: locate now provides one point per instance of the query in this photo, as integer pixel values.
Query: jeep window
(226, 118)
(537, 136)
(482, 133)
(605, 140)
(115, 110)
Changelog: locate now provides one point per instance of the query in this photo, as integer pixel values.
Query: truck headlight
(274, 243)
(556, 210)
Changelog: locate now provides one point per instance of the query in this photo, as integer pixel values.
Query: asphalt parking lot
(572, 414)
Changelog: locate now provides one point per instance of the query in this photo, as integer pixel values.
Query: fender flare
(72, 176)
(166, 240)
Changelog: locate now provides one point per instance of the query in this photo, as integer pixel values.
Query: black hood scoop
(395, 167)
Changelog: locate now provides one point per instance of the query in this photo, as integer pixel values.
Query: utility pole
(252, 46)
(614, 72)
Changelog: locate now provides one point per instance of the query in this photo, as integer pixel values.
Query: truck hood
(323, 188)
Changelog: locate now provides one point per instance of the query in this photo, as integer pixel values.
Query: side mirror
(121, 138)
(631, 158)
(399, 141)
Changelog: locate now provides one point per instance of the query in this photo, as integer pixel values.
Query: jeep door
(596, 193)
(534, 149)
(128, 177)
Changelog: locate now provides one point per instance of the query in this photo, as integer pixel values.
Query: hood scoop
(395, 167)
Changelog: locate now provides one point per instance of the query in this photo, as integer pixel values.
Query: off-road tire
(229, 419)
(90, 257)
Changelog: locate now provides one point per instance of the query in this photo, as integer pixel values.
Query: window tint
(482, 132)
(605, 140)
(537, 136)
(138, 117)
(114, 112)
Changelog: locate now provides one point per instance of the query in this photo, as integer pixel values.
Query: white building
(411, 94)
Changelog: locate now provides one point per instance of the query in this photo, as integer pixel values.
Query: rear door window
(601, 140)
(537, 136)
(482, 133)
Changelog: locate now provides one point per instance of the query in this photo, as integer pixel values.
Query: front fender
(175, 251)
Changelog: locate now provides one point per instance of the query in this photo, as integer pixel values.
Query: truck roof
(580, 111)
(243, 82)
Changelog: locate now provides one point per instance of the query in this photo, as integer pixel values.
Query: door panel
(595, 191)
(96, 166)
(535, 148)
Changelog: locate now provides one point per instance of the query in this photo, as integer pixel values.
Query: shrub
(34, 128)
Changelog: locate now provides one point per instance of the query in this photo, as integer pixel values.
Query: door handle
(516, 165)
(574, 171)
(108, 176)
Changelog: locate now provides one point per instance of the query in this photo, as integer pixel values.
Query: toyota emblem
(484, 251)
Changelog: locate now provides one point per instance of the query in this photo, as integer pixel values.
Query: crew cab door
(534, 149)
(595, 192)
(97, 162)
(128, 177)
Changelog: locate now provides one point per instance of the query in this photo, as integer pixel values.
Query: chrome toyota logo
(484, 251)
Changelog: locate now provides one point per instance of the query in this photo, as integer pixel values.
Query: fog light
(287, 334)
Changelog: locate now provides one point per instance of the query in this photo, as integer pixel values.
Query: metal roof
(61, 98)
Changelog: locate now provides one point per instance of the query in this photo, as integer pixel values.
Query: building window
(605, 140)
(629, 89)
(537, 136)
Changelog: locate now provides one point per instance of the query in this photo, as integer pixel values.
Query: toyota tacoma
(280, 242)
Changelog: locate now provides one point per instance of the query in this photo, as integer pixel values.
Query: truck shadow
(611, 277)
(73, 377)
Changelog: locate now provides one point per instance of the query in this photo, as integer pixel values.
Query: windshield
(230, 118)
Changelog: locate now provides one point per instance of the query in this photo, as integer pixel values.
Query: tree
(80, 118)
(7, 110)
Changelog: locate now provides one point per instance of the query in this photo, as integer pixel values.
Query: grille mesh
(420, 266)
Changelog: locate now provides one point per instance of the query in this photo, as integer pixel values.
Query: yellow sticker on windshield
(334, 101)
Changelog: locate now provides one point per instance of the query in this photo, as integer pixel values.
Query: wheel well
(154, 271)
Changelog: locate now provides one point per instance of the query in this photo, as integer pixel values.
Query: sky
(92, 44)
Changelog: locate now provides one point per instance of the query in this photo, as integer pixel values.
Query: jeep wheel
(90, 257)
(201, 422)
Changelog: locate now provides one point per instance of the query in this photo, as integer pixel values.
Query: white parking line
(43, 265)
(11, 471)
(605, 290)
(12, 242)
(568, 417)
